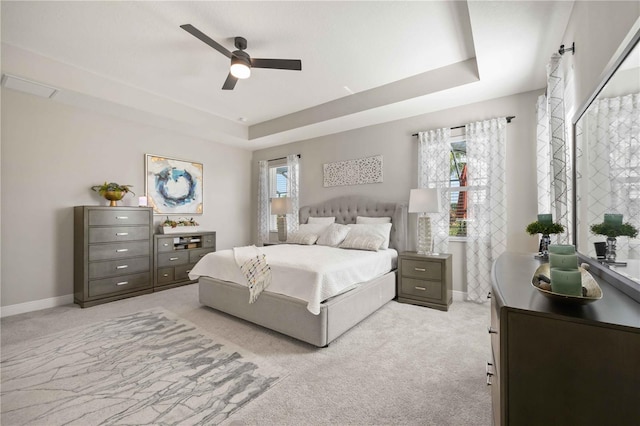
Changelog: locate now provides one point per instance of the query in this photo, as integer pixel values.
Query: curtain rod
(284, 158)
(509, 118)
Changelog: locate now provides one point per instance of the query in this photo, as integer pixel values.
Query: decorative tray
(591, 288)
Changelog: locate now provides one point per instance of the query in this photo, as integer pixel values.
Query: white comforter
(310, 273)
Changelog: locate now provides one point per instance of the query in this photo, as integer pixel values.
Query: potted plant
(612, 231)
(170, 226)
(112, 191)
(546, 229)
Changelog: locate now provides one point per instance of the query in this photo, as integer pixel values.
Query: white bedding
(310, 273)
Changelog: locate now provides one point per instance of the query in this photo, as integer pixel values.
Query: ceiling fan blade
(206, 39)
(229, 83)
(279, 64)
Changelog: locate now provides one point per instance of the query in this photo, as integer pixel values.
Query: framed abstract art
(173, 186)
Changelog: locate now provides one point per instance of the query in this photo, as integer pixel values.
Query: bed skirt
(290, 316)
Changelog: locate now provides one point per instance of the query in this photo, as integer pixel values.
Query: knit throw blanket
(253, 264)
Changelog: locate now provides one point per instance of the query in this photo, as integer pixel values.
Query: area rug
(148, 368)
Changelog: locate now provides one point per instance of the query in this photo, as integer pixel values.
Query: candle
(546, 218)
(564, 261)
(566, 281)
(562, 248)
(613, 219)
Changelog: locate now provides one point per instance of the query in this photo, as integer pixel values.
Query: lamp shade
(281, 205)
(424, 200)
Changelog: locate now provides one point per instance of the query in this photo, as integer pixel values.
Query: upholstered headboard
(346, 209)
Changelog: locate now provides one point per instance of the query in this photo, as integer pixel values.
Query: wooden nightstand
(425, 279)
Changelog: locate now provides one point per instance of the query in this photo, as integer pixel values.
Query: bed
(332, 316)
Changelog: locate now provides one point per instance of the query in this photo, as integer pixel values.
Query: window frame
(273, 165)
(451, 189)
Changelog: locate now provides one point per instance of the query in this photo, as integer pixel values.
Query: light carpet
(146, 368)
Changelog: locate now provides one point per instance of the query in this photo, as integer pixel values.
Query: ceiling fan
(241, 62)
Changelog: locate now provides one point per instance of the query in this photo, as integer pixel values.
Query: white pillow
(312, 228)
(362, 242)
(303, 238)
(333, 235)
(380, 229)
(321, 220)
(369, 219)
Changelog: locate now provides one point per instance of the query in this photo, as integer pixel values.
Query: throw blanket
(253, 265)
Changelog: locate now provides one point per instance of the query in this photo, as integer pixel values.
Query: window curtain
(434, 171)
(293, 164)
(486, 203)
(553, 156)
(613, 158)
(263, 202)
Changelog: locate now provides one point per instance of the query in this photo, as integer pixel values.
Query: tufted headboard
(345, 210)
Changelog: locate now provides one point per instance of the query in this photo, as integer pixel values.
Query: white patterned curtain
(554, 161)
(293, 171)
(434, 171)
(263, 202)
(613, 158)
(486, 203)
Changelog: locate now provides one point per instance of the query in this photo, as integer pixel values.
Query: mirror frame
(621, 282)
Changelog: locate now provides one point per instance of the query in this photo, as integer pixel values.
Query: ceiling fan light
(240, 68)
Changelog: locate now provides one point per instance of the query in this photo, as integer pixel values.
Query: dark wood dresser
(559, 364)
(113, 253)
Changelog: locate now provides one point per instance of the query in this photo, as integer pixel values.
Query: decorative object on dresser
(424, 201)
(554, 363)
(170, 226)
(112, 191)
(173, 186)
(281, 207)
(112, 253)
(425, 280)
(175, 255)
(612, 227)
(544, 226)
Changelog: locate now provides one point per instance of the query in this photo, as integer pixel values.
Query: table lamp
(281, 207)
(424, 201)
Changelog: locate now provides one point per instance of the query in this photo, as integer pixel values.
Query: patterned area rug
(148, 368)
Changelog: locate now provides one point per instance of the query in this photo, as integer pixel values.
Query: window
(457, 188)
(278, 186)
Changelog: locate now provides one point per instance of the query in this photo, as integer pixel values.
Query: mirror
(607, 165)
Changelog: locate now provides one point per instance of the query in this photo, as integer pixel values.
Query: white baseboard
(36, 305)
(459, 296)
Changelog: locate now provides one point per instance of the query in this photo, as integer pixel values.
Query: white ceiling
(362, 62)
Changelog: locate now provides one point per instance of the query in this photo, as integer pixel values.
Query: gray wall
(53, 153)
(399, 150)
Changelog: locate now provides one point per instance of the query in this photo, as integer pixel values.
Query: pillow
(317, 229)
(321, 220)
(362, 242)
(367, 220)
(304, 238)
(333, 235)
(380, 229)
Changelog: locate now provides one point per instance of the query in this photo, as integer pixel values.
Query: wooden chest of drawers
(425, 280)
(113, 249)
(176, 254)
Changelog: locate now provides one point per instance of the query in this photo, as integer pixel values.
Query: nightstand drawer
(176, 257)
(420, 288)
(119, 284)
(108, 217)
(422, 269)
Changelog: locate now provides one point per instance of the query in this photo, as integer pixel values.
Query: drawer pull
(420, 269)
(165, 245)
(123, 283)
(173, 258)
(420, 288)
(121, 234)
(165, 275)
(122, 266)
(121, 250)
(491, 330)
(122, 217)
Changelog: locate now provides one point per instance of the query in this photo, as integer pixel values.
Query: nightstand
(425, 279)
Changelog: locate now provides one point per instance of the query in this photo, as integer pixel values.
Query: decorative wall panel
(353, 172)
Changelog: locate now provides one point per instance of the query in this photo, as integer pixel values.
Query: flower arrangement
(611, 230)
(538, 227)
(180, 222)
(112, 187)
